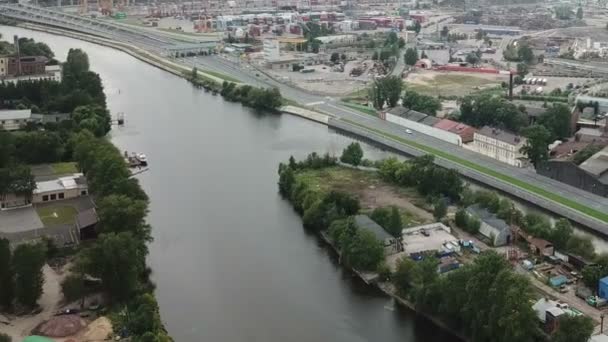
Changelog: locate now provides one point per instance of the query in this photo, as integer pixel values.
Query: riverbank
(589, 217)
(372, 279)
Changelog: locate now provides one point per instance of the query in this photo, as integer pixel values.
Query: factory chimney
(511, 85)
(18, 54)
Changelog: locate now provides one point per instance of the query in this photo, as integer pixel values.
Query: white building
(272, 51)
(500, 145)
(62, 188)
(12, 120)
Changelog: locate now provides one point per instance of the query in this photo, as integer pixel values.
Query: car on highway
(408, 131)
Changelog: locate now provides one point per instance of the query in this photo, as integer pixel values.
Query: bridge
(151, 41)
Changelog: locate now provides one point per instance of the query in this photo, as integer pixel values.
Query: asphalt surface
(247, 74)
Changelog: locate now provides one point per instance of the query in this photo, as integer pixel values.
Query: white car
(408, 131)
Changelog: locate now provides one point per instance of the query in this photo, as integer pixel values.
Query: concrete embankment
(306, 114)
(551, 206)
(143, 55)
(372, 279)
(588, 222)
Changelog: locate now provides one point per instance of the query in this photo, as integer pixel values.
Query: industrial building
(500, 145)
(446, 130)
(14, 119)
(390, 243)
(497, 231)
(591, 175)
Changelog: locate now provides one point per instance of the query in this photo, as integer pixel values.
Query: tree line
(486, 300)
(118, 256)
(51, 142)
(258, 98)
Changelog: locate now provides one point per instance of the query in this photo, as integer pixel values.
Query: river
(230, 258)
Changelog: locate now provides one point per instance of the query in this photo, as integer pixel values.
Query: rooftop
(16, 114)
(487, 217)
(364, 222)
(500, 135)
(414, 241)
(63, 183)
(86, 218)
(597, 165)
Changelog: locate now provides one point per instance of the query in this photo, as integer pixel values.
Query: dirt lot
(372, 191)
(436, 83)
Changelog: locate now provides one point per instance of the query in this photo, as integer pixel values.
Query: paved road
(248, 75)
(328, 105)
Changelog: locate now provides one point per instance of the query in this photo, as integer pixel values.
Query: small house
(603, 288)
(391, 244)
(86, 223)
(540, 246)
(497, 231)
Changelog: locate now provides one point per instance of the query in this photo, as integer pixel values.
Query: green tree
(461, 218)
(7, 148)
(581, 246)
(6, 275)
(364, 252)
(28, 260)
(401, 43)
(525, 54)
(536, 147)
(352, 154)
(445, 31)
(440, 209)
(29, 47)
(94, 118)
(472, 58)
(411, 56)
(522, 69)
(579, 13)
(421, 103)
(77, 63)
(119, 213)
(386, 90)
(194, 74)
(118, 261)
(389, 219)
(287, 180)
(72, 287)
(488, 110)
(558, 120)
(561, 233)
(403, 276)
(335, 57)
(573, 329)
(5, 338)
(145, 318)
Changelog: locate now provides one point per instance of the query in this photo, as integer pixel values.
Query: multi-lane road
(157, 43)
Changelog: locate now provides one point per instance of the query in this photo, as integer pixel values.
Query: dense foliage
(493, 111)
(28, 260)
(538, 138)
(421, 103)
(558, 120)
(485, 300)
(411, 56)
(358, 247)
(389, 218)
(421, 172)
(258, 98)
(386, 91)
(352, 154)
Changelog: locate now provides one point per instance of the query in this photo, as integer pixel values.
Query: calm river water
(230, 258)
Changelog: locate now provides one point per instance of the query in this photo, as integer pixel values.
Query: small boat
(142, 159)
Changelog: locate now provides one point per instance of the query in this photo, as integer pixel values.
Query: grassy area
(60, 214)
(602, 216)
(222, 76)
(339, 178)
(450, 84)
(361, 108)
(64, 168)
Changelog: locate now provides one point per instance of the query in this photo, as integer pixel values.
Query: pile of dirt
(60, 326)
(98, 330)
